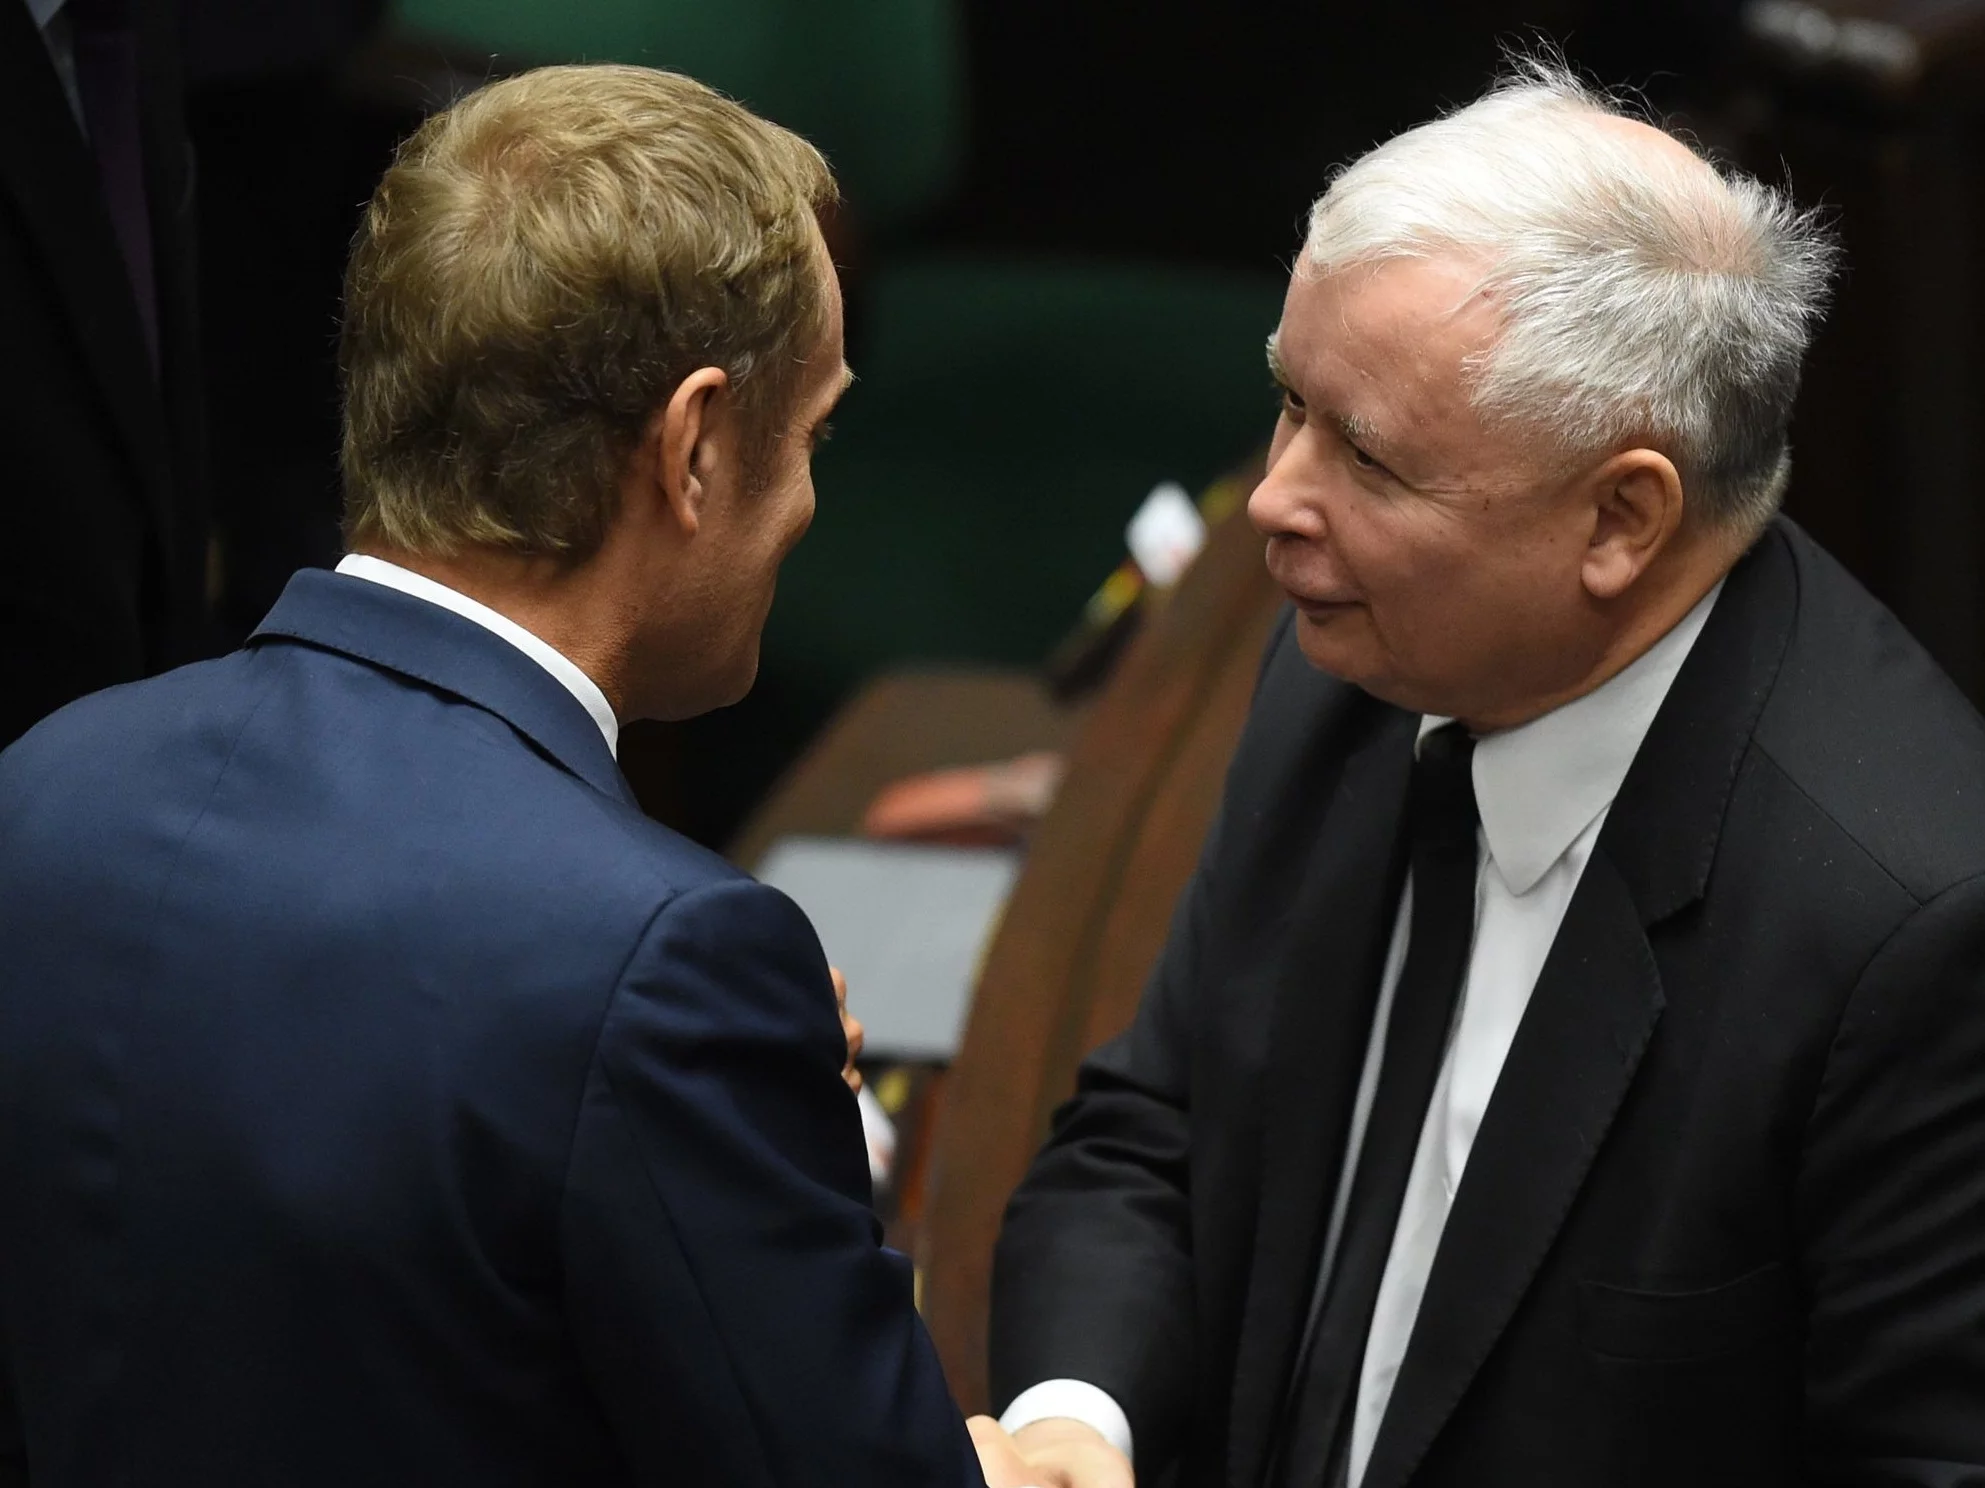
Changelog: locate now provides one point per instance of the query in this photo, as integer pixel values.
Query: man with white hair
(1568, 1062)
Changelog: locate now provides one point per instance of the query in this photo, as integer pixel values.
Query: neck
(566, 607)
(1655, 605)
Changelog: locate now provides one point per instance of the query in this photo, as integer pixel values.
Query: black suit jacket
(1724, 1221)
(102, 572)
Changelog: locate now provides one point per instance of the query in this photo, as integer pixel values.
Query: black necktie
(1442, 816)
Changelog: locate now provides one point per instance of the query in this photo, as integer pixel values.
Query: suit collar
(1663, 829)
(1593, 1013)
(567, 672)
(1542, 784)
(418, 639)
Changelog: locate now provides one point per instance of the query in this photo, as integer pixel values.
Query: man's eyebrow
(1355, 428)
(1275, 368)
(1359, 430)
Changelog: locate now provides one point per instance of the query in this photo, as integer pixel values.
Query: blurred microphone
(1165, 534)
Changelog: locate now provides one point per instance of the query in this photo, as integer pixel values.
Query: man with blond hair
(1567, 1067)
(383, 1098)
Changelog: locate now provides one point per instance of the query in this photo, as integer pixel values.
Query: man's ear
(1637, 508)
(692, 443)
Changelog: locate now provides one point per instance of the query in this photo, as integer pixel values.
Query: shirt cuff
(1071, 1400)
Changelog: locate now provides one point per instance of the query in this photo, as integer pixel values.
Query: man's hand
(851, 1029)
(999, 1459)
(1067, 1454)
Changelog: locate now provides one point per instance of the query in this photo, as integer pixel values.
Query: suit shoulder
(566, 842)
(129, 710)
(680, 864)
(124, 738)
(1874, 734)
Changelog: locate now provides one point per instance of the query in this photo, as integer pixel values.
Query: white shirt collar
(1540, 785)
(562, 667)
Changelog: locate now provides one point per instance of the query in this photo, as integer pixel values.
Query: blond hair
(541, 266)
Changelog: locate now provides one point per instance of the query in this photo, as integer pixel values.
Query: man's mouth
(1312, 605)
(1312, 602)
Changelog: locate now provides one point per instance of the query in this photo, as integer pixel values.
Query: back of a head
(1645, 294)
(540, 267)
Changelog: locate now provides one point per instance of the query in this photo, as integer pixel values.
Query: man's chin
(742, 689)
(685, 698)
(1331, 643)
(740, 679)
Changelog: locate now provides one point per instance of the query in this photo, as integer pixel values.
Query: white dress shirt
(561, 666)
(1543, 791)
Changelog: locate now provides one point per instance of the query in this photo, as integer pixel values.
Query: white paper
(907, 925)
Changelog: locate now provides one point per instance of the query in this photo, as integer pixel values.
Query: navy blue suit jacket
(384, 1099)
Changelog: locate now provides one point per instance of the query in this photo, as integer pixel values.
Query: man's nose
(1285, 503)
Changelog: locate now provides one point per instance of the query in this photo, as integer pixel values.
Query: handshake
(1048, 1454)
(1054, 1453)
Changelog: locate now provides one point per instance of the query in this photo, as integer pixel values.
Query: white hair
(1642, 298)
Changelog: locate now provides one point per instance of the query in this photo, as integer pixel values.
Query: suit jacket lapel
(1328, 984)
(1581, 1040)
(405, 634)
(46, 166)
(1594, 1009)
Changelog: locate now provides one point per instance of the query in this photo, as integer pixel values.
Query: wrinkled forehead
(1419, 318)
(1389, 355)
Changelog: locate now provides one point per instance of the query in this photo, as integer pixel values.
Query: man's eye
(1365, 463)
(1291, 404)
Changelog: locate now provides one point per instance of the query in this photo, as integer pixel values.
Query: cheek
(1385, 546)
(1465, 595)
(785, 513)
(803, 510)
(1421, 581)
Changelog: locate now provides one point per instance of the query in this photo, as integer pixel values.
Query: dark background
(1068, 303)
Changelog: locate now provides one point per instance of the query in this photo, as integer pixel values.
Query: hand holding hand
(999, 1459)
(851, 1029)
(1068, 1454)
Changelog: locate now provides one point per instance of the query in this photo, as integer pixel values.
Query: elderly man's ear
(1636, 505)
